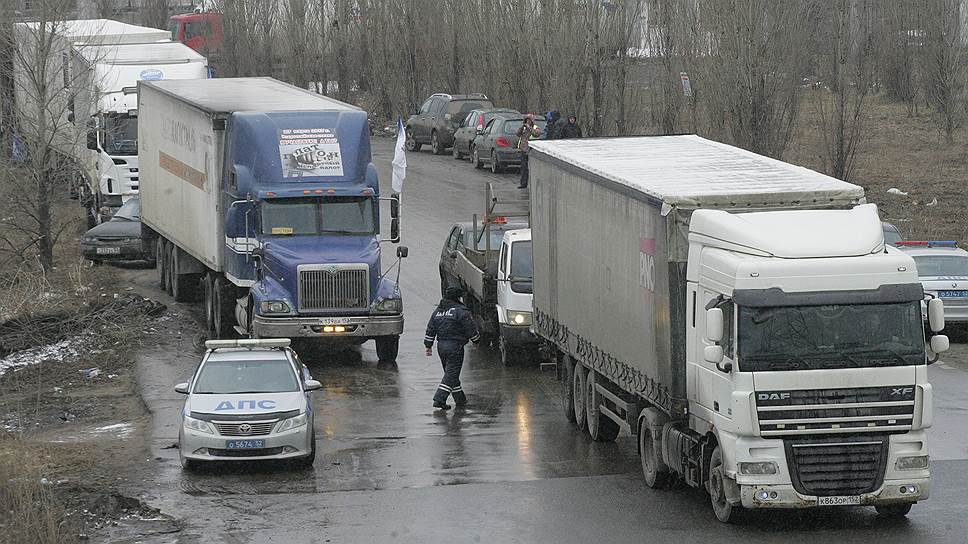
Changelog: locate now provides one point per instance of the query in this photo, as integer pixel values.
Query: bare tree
(154, 13)
(898, 41)
(943, 59)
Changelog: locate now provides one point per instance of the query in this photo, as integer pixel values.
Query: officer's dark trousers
(523, 182)
(452, 359)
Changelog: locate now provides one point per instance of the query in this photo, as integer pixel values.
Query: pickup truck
(490, 259)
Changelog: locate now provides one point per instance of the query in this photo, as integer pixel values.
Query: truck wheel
(716, 486)
(387, 348)
(600, 427)
(435, 144)
(653, 469)
(182, 285)
(567, 392)
(162, 263)
(893, 511)
(578, 393)
(411, 143)
(476, 159)
(224, 303)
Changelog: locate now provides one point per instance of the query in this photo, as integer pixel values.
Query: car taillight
(502, 142)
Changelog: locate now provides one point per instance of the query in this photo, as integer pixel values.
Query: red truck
(202, 31)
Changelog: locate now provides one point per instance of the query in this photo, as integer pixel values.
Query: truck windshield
(341, 215)
(235, 377)
(835, 336)
(522, 267)
(120, 135)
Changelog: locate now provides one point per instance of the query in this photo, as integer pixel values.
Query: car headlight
(394, 305)
(916, 462)
(274, 307)
(518, 318)
(292, 422)
(768, 467)
(198, 425)
(89, 240)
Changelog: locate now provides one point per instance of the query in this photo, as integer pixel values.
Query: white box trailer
(650, 256)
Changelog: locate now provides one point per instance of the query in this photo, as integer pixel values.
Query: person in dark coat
(452, 325)
(553, 119)
(570, 129)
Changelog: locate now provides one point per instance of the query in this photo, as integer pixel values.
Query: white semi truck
(741, 315)
(81, 77)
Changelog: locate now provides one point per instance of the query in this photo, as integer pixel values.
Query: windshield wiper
(338, 231)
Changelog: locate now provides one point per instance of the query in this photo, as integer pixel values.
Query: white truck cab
(514, 293)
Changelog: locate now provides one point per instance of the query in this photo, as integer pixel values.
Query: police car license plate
(838, 501)
(244, 444)
(109, 251)
(953, 294)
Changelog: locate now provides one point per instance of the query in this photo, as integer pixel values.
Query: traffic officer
(452, 325)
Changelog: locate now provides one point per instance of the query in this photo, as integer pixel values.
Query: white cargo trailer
(740, 314)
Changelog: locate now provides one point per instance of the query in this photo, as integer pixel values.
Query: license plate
(109, 251)
(245, 444)
(335, 321)
(838, 501)
(953, 294)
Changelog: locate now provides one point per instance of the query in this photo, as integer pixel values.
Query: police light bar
(249, 343)
(928, 243)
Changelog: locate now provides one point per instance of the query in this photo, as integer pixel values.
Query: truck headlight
(915, 462)
(768, 467)
(292, 422)
(274, 307)
(392, 305)
(518, 318)
(198, 425)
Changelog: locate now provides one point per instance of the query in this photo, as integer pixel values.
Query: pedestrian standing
(570, 129)
(527, 131)
(452, 325)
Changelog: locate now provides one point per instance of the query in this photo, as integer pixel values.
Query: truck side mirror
(395, 207)
(939, 343)
(713, 354)
(936, 315)
(714, 325)
(394, 230)
(92, 140)
(403, 252)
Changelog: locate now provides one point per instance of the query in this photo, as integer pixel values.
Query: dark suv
(439, 118)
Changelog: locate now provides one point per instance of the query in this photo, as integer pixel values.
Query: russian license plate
(245, 444)
(335, 321)
(109, 251)
(953, 294)
(838, 501)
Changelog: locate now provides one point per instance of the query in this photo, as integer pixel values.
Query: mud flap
(732, 491)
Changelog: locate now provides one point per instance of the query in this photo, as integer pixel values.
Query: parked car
(891, 234)
(439, 118)
(943, 272)
(119, 238)
(498, 144)
(248, 400)
(474, 124)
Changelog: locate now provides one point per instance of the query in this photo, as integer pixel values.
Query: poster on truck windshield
(309, 152)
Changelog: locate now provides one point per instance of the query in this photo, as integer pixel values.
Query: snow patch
(51, 352)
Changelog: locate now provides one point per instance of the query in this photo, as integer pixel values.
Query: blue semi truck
(260, 198)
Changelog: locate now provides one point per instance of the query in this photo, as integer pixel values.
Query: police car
(248, 400)
(943, 271)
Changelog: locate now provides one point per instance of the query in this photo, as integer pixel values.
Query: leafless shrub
(29, 511)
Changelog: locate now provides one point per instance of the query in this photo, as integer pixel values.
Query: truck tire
(893, 511)
(162, 263)
(567, 391)
(600, 427)
(224, 303)
(411, 143)
(578, 394)
(387, 348)
(716, 486)
(654, 470)
(183, 286)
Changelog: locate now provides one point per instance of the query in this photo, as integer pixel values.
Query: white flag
(399, 159)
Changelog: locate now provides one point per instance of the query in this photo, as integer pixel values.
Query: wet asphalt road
(509, 468)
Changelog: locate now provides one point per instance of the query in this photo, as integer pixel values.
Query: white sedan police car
(943, 271)
(248, 400)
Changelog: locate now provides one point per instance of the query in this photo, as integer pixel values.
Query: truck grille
(835, 411)
(244, 428)
(849, 467)
(334, 287)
